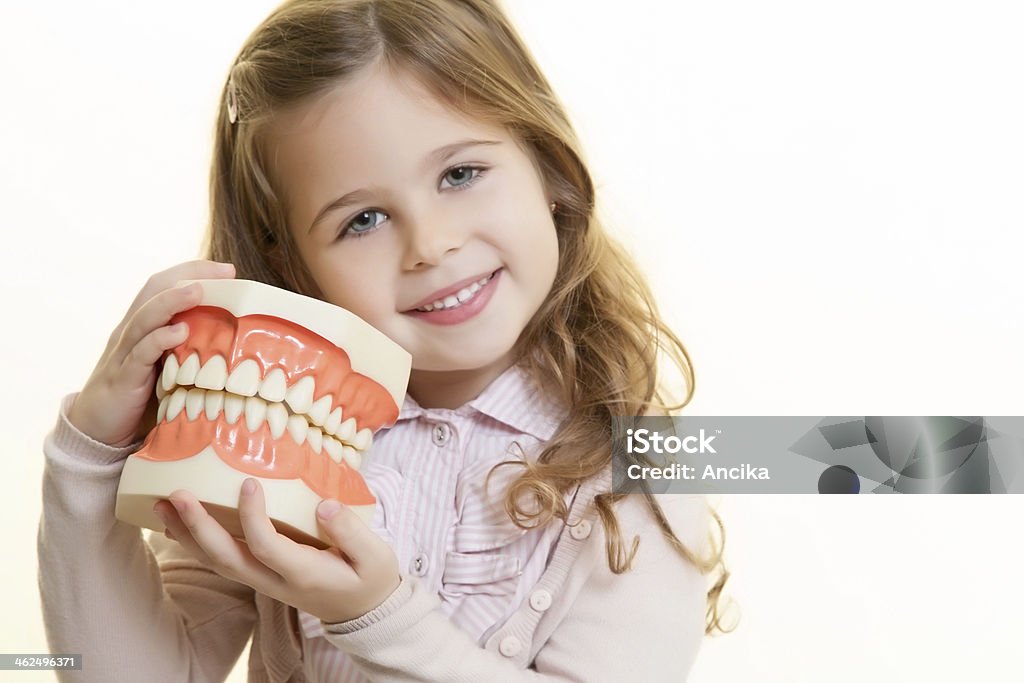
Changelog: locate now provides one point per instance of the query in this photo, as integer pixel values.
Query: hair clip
(232, 101)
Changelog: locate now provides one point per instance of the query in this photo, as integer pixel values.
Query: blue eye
(462, 176)
(364, 223)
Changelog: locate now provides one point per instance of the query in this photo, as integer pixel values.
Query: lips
(451, 290)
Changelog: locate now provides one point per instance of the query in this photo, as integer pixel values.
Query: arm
(103, 592)
(645, 624)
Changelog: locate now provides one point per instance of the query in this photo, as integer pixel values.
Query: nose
(429, 239)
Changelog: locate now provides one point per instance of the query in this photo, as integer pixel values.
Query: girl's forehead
(375, 102)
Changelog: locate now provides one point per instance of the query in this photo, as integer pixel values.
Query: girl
(381, 155)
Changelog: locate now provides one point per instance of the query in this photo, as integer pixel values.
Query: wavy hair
(595, 343)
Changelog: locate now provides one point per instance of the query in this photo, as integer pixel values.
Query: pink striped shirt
(428, 473)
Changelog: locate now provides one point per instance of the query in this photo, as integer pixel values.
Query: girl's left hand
(337, 584)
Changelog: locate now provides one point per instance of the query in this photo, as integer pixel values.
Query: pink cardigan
(147, 611)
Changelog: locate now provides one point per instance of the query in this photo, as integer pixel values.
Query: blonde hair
(595, 342)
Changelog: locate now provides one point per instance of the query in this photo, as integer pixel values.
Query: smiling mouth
(463, 296)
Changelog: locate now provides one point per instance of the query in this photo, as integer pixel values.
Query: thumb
(347, 532)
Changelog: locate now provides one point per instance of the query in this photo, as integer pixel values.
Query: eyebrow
(439, 155)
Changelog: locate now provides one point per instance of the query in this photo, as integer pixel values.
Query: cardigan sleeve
(645, 624)
(132, 615)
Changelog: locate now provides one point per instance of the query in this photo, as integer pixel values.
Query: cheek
(353, 283)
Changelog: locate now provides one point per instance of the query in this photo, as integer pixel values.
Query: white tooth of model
(160, 393)
(333, 421)
(255, 412)
(333, 448)
(170, 372)
(300, 395)
(273, 385)
(362, 440)
(244, 379)
(176, 403)
(187, 372)
(161, 410)
(320, 410)
(214, 374)
(233, 406)
(347, 430)
(277, 418)
(214, 404)
(297, 427)
(315, 438)
(195, 400)
(352, 457)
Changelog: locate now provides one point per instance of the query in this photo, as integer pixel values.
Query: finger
(137, 367)
(177, 531)
(351, 535)
(199, 269)
(156, 313)
(280, 553)
(223, 553)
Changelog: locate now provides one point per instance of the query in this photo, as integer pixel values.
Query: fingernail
(225, 266)
(328, 509)
(160, 514)
(249, 487)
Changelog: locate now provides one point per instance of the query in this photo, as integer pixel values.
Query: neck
(453, 388)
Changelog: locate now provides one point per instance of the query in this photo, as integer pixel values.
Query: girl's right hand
(114, 399)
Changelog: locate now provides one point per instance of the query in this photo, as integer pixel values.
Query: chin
(272, 385)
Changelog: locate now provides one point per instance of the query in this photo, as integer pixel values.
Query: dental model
(272, 385)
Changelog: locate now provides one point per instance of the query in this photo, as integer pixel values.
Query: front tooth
(273, 386)
(194, 402)
(170, 372)
(450, 301)
(463, 295)
(245, 379)
(320, 410)
(214, 404)
(277, 418)
(438, 304)
(176, 403)
(347, 431)
(233, 406)
(300, 395)
(363, 440)
(315, 438)
(352, 457)
(214, 374)
(161, 410)
(333, 421)
(297, 427)
(333, 448)
(255, 412)
(187, 371)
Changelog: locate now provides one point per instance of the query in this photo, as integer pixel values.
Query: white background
(826, 197)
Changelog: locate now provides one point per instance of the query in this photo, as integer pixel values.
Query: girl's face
(395, 203)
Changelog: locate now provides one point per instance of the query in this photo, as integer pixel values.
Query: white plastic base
(291, 505)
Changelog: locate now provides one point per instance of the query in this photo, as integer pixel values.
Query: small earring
(553, 206)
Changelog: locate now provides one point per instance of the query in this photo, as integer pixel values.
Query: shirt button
(510, 646)
(419, 565)
(581, 530)
(441, 434)
(540, 600)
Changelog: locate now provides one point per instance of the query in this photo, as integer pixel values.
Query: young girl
(383, 155)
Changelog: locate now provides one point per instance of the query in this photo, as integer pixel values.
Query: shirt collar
(512, 398)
